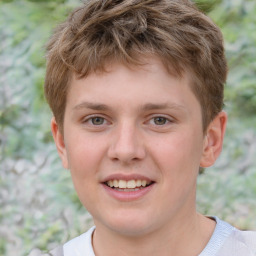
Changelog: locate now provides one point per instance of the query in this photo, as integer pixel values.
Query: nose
(126, 144)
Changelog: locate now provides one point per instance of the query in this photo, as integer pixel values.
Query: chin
(132, 225)
(131, 230)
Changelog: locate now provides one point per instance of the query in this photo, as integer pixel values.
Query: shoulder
(56, 252)
(74, 247)
(81, 244)
(246, 239)
(226, 240)
(242, 243)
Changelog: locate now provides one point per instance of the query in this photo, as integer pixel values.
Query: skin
(139, 121)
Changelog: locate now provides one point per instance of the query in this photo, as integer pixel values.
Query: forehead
(148, 85)
(151, 67)
(147, 62)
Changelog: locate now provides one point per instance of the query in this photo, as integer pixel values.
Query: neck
(180, 238)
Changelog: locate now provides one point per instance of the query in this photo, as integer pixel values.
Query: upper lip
(126, 177)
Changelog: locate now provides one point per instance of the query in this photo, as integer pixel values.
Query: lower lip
(128, 195)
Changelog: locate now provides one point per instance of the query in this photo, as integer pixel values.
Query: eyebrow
(152, 106)
(146, 107)
(91, 105)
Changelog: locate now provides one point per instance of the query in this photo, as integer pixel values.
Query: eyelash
(154, 119)
(90, 119)
(151, 121)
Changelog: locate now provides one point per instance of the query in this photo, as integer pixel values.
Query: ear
(213, 140)
(59, 142)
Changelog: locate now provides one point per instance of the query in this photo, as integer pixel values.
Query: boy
(136, 90)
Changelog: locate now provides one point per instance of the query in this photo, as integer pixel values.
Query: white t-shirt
(226, 240)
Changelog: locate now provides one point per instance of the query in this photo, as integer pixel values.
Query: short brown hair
(128, 30)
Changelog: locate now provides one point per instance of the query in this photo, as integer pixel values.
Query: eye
(96, 123)
(97, 120)
(159, 120)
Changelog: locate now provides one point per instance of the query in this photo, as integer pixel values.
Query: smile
(128, 186)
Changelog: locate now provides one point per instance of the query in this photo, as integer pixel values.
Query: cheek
(84, 161)
(83, 157)
(178, 152)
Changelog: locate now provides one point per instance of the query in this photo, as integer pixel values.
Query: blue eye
(160, 120)
(97, 120)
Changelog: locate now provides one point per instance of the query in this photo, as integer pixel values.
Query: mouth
(129, 185)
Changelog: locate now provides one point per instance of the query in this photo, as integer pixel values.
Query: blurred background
(38, 206)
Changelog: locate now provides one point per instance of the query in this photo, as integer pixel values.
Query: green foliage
(238, 22)
(206, 6)
(26, 149)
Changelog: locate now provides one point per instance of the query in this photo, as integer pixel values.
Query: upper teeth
(127, 184)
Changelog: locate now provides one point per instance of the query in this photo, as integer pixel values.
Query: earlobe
(59, 142)
(213, 140)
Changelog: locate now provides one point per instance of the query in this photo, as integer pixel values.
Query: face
(133, 142)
